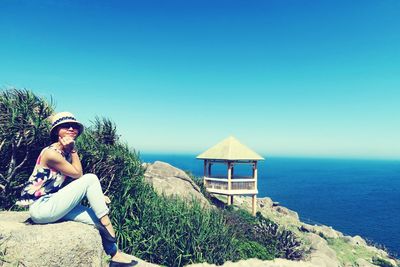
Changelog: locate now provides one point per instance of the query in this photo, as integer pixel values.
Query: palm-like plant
(24, 130)
(105, 131)
(103, 154)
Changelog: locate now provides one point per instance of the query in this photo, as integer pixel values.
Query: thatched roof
(230, 149)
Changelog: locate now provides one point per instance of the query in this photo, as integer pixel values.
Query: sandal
(105, 233)
(122, 264)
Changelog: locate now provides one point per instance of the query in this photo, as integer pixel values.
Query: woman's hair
(54, 135)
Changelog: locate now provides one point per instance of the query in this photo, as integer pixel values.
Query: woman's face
(68, 130)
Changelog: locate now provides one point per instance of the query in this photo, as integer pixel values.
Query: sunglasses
(70, 125)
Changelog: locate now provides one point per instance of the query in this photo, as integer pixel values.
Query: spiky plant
(104, 155)
(24, 131)
(283, 242)
(104, 131)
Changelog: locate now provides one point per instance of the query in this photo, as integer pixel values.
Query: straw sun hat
(61, 118)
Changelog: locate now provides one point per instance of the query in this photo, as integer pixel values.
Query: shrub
(103, 154)
(381, 262)
(252, 249)
(169, 231)
(277, 242)
(241, 222)
(284, 242)
(24, 131)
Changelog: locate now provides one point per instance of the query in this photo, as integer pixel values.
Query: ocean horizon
(354, 196)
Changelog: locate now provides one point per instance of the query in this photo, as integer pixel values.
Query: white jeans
(64, 205)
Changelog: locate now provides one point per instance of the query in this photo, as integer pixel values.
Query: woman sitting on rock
(52, 200)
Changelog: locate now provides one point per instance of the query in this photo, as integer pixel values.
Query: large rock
(168, 180)
(321, 230)
(321, 254)
(58, 244)
(269, 209)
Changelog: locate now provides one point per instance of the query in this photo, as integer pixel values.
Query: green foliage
(24, 131)
(277, 242)
(169, 231)
(252, 249)
(348, 253)
(381, 262)
(241, 222)
(260, 232)
(102, 154)
(104, 131)
(159, 229)
(283, 241)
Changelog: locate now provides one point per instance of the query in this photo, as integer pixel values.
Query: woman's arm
(54, 160)
(76, 163)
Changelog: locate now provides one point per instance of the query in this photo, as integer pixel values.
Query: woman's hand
(67, 142)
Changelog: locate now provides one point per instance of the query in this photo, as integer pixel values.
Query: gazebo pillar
(205, 173)
(254, 198)
(230, 197)
(254, 205)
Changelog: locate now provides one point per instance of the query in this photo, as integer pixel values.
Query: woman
(50, 199)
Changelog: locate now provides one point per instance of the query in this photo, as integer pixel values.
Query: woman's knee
(90, 178)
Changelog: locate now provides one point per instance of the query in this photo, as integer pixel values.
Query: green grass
(347, 253)
(250, 249)
(168, 230)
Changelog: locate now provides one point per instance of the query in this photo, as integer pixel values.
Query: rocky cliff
(328, 247)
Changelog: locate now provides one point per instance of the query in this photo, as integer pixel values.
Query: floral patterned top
(42, 181)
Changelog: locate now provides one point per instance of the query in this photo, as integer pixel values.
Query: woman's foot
(128, 256)
(121, 259)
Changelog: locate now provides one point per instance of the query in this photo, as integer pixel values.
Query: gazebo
(231, 152)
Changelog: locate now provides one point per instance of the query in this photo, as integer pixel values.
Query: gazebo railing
(236, 184)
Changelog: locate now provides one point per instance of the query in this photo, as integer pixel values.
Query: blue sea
(356, 197)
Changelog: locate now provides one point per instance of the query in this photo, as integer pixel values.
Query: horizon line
(299, 156)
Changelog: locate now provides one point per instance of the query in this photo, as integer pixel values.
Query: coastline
(349, 195)
(323, 245)
(345, 194)
(328, 247)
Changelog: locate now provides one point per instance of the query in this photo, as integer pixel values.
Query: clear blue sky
(287, 78)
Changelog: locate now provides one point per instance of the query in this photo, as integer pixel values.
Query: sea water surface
(356, 197)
